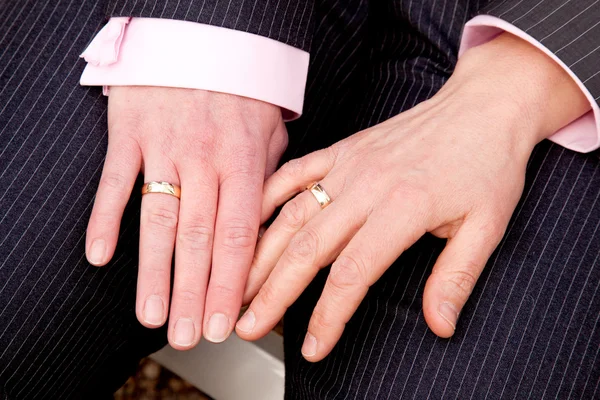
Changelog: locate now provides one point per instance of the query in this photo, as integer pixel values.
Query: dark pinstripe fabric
(283, 20)
(68, 330)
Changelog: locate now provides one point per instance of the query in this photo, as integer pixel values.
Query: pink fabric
(104, 49)
(162, 52)
(582, 135)
(159, 52)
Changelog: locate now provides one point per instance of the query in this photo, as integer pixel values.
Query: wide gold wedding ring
(161, 187)
(322, 197)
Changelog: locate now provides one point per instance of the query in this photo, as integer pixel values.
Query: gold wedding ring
(161, 187)
(322, 197)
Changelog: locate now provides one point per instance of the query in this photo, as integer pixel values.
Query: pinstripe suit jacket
(569, 28)
(67, 328)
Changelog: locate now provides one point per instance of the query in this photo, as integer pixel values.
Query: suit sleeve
(286, 21)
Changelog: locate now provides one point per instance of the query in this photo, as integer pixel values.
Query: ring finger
(311, 248)
(158, 226)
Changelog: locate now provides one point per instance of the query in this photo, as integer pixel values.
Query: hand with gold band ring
(220, 148)
(161, 187)
(452, 166)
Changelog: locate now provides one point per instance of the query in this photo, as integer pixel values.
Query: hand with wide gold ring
(453, 166)
(204, 157)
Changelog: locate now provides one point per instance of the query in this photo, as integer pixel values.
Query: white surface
(233, 370)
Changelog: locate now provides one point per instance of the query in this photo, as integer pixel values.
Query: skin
(453, 166)
(219, 148)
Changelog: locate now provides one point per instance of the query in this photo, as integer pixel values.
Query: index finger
(121, 168)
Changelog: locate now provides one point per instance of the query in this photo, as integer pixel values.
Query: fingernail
(261, 231)
(309, 348)
(218, 328)
(246, 323)
(154, 310)
(97, 252)
(449, 313)
(184, 332)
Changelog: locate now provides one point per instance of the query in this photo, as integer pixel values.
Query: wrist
(513, 83)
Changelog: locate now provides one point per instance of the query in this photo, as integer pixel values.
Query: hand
(453, 166)
(218, 148)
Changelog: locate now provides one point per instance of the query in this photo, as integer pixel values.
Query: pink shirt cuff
(583, 134)
(162, 52)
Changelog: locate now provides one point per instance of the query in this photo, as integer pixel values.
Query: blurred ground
(153, 382)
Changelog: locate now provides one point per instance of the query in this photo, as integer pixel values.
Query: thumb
(455, 273)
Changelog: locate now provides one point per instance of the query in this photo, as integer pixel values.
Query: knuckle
(189, 296)
(460, 283)
(371, 173)
(293, 168)
(115, 181)
(158, 274)
(161, 217)
(293, 214)
(347, 272)
(106, 220)
(223, 292)
(303, 248)
(267, 295)
(495, 227)
(238, 236)
(409, 191)
(239, 170)
(202, 145)
(242, 161)
(128, 124)
(195, 237)
(320, 321)
(333, 152)
(198, 150)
